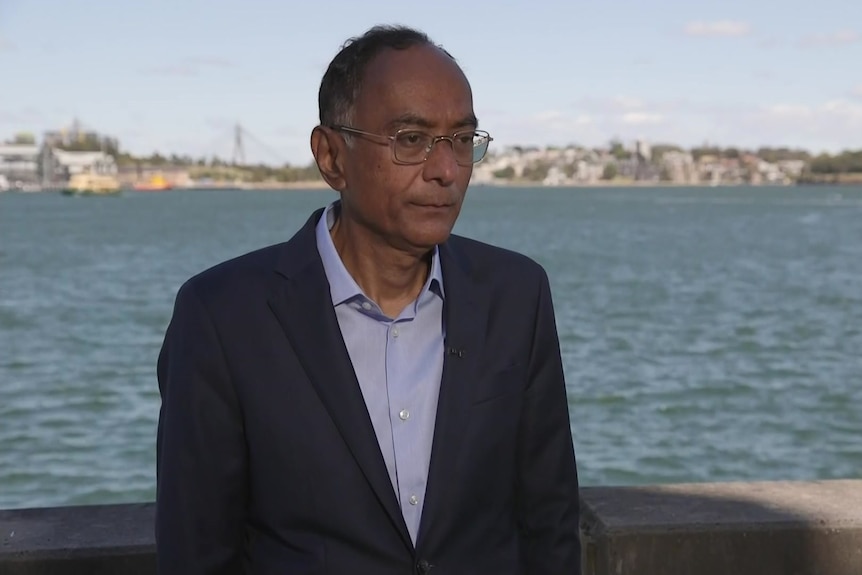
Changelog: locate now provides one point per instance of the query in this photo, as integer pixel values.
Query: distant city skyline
(175, 77)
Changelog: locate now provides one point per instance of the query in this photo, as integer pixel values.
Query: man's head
(342, 81)
(388, 81)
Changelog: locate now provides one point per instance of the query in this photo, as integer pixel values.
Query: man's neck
(391, 277)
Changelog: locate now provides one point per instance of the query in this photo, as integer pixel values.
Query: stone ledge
(768, 528)
(761, 528)
(97, 540)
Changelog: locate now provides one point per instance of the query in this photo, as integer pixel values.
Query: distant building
(792, 168)
(71, 163)
(587, 172)
(627, 168)
(555, 177)
(643, 150)
(679, 167)
(32, 166)
(771, 173)
(20, 164)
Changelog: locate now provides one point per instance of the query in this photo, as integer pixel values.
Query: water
(707, 334)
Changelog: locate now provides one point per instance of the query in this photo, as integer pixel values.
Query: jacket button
(423, 567)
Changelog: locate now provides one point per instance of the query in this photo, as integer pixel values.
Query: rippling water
(708, 334)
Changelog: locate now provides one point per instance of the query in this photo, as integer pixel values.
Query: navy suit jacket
(267, 459)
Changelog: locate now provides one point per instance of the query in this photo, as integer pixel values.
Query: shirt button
(395, 332)
(414, 500)
(366, 306)
(404, 415)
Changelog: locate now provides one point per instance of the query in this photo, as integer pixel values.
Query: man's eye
(413, 139)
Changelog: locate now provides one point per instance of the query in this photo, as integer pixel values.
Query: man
(372, 396)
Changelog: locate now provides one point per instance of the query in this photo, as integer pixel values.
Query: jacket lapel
(304, 309)
(466, 313)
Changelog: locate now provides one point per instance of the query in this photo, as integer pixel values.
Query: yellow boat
(156, 184)
(92, 185)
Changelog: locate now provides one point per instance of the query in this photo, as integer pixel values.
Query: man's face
(410, 207)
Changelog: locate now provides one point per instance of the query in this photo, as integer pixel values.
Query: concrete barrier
(774, 528)
(91, 540)
(786, 528)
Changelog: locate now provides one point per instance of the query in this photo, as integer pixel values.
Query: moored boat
(91, 185)
(156, 184)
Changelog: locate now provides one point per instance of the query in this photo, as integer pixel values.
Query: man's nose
(441, 163)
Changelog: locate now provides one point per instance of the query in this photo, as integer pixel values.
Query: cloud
(615, 105)
(590, 122)
(790, 111)
(189, 67)
(841, 108)
(549, 116)
(771, 42)
(639, 118)
(627, 103)
(838, 38)
(857, 91)
(623, 110)
(717, 28)
(830, 125)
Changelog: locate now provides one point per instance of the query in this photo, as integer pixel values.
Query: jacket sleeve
(201, 455)
(547, 485)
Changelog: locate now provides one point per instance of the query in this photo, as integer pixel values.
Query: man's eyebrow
(410, 119)
(470, 120)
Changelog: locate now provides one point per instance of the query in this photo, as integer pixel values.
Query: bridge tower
(238, 149)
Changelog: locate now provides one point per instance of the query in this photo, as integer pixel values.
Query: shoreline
(318, 185)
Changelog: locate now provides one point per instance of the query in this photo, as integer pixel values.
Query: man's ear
(328, 148)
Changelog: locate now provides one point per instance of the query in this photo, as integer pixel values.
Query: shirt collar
(342, 286)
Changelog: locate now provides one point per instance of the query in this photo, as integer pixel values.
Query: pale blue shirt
(398, 362)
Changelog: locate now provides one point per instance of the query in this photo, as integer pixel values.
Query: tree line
(846, 162)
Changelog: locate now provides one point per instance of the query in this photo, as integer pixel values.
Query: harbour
(708, 334)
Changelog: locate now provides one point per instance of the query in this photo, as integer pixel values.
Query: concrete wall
(786, 528)
(91, 540)
(775, 528)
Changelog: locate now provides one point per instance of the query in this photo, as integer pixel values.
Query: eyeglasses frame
(434, 139)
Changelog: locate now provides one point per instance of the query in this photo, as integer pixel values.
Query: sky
(175, 76)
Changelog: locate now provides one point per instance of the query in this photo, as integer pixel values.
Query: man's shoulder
(239, 274)
(254, 262)
(255, 269)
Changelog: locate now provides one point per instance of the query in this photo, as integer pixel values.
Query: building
(643, 150)
(33, 167)
(58, 166)
(679, 167)
(20, 164)
(72, 163)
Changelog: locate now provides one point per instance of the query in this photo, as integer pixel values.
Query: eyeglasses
(414, 146)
